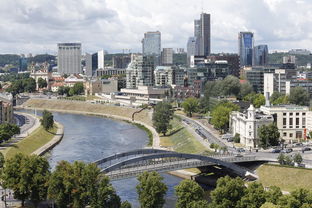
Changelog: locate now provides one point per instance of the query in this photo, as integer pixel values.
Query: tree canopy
(162, 116)
(299, 96)
(189, 194)
(269, 135)
(190, 106)
(47, 120)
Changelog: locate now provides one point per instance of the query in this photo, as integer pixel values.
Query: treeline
(13, 59)
(77, 89)
(22, 85)
(7, 131)
(80, 185)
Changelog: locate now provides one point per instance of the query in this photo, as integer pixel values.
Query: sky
(36, 26)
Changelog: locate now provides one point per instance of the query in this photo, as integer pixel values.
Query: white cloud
(37, 25)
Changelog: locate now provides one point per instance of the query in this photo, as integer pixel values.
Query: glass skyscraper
(260, 55)
(151, 43)
(202, 35)
(245, 45)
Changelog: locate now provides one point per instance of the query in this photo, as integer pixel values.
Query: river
(89, 138)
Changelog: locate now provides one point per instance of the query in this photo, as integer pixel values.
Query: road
(205, 137)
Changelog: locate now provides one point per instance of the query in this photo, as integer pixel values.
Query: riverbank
(83, 108)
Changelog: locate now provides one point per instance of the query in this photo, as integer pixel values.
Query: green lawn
(35, 140)
(287, 178)
(181, 140)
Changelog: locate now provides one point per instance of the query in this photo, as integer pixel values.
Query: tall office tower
(202, 34)
(88, 71)
(245, 47)
(100, 55)
(260, 55)
(167, 56)
(69, 58)
(91, 64)
(191, 48)
(151, 43)
(140, 71)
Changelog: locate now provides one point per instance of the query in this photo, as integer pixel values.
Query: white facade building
(101, 62)
(247, 124)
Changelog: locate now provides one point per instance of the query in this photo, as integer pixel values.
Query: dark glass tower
(245, 45)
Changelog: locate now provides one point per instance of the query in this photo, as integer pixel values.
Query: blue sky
(35, 26)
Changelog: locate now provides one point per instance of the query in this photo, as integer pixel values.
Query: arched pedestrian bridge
(132, 163)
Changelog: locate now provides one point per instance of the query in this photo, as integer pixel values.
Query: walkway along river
(89, 138)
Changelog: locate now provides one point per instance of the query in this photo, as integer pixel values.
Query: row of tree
(22, 85)
(79, 185)
(77, 89)
(7, 130)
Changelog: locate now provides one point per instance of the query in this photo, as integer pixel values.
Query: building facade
(167, 56)
(247, 124)
(6, 108)
(260, 55)
(202, 34)
(140, 71)
(168, 76)
(245, 46)
(151, 43)
(69, 58)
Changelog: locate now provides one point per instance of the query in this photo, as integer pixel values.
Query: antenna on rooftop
(202, 6)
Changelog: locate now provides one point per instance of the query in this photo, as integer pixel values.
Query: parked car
(287, 150)
(240, 150)
(276, 151)
(230, 139)
(239, 155)
(306, 149)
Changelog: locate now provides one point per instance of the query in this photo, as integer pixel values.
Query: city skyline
(36, 26)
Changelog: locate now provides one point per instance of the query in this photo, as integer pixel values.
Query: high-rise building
(151, 43)
(202, 34)
(260, 55)
(140, 71)
(167, 56)
(69, 58)
(245, 47)
(88, 71)
(100, 55)
(121, 62)
(191, 48)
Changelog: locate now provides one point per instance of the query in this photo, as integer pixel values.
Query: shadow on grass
(175, 131)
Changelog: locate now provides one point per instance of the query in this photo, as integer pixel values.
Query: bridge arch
(161, 155)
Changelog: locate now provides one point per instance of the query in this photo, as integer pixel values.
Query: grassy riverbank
(180, 140)
(287, 178)
(67, 105)
(28, 145)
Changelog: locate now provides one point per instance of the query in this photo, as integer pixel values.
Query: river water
(89, 138)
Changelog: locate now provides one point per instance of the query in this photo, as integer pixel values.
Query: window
(298, 134)
(303, 122)
(290, 114)
(284, 114)
(290, 134)
(285, 134)
(297, 114)
(303, 114)
(249, 133)
(290, 122)
(284, 121)
(297, 122)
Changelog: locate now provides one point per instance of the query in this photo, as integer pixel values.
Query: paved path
(29, 124)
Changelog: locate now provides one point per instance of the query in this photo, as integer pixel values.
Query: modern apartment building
(69, 58)
(168, 76)
(151, 43)
(167, 56)
(255, 76)
(245, 48)
(140, 71)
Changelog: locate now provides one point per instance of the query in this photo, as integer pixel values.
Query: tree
(299, 96)
(78, 185)
(198, 204)
(190, 106)
(273, 194)
(245, 89)
(47, 120)
(78, 88)
(27, 176)
(42, 83)
(2, 161)
(284, 159)
(231, 86)
(162, 116)
(236, 138)
(220, 115)
(278, 98)
(254, 197)
(204, 104)
(256, 99)
(8, 130)
(106, 195)
(29, 85)
(298, 158)
(269, 205)
(269, 135)
(188, 191)
(228, 192)
(151, 190)
(125, 204)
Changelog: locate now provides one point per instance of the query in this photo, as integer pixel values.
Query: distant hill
(301, 60)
